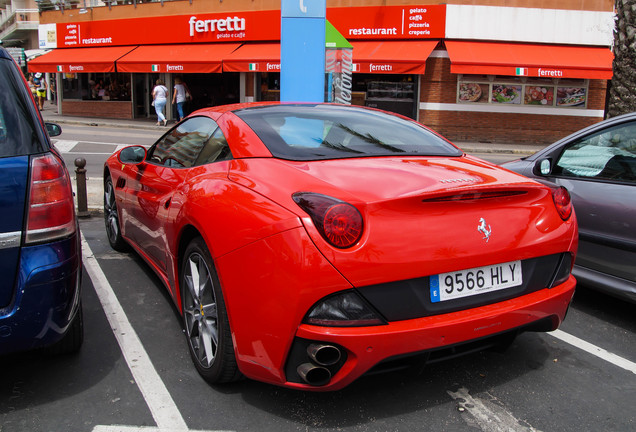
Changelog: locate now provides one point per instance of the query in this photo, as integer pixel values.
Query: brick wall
(438, 85)
(105, 109)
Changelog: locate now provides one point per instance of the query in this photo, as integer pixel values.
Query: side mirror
(542, 167)
(53, 129)
(132, 155)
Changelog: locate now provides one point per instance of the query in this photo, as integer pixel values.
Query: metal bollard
(80, 176)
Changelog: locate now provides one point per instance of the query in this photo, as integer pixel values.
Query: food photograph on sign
(539, 95)
(505, 93)
(473, 92)
(571, 96)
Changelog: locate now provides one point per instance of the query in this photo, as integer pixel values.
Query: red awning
(391, 57)
(368, 57)
(535, 60)
(254, 57)
(192, 58)
(71, 60)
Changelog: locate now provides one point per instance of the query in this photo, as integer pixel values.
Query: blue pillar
(302, 50)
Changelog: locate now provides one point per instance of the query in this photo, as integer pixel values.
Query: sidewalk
(94, 186)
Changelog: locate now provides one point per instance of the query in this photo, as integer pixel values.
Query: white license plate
(478, 280)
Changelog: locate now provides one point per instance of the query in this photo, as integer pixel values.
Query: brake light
(51, 212)
(563, 202)
(338, 222)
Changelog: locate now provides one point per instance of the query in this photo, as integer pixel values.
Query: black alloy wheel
(207, 328)
(111, 218)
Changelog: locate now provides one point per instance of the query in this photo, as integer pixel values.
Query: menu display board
(503, 90)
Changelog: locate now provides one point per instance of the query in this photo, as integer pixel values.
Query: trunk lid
(422, 215)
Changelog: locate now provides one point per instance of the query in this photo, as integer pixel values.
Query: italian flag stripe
(522, 71)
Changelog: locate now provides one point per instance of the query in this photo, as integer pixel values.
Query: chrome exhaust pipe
(324, 355)
(314, 375)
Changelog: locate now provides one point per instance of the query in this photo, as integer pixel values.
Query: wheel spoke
(209, 339)
(195, 289)
(210, 311)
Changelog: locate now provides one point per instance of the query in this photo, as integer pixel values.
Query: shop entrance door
(144, 83)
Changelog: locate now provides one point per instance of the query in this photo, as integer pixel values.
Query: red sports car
(308, 244)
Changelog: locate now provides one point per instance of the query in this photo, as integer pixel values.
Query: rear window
(313, 132)
(18, 131)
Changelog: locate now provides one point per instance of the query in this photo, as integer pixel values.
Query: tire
(74, 337)
(111, 218)
(207, 328)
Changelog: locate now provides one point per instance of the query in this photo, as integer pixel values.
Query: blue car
(40, 252)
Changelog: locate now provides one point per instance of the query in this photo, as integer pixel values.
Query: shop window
(96, 86)
(522, 91)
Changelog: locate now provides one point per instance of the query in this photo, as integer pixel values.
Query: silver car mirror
(543, 167)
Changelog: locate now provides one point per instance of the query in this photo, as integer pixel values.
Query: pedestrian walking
(180, 96)
(33, 87)
(159, 100)
(40, 84)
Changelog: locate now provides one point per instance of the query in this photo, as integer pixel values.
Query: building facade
(528, 71)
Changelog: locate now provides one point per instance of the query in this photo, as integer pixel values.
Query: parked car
(598, 167)
(40, 257)
(308, 244)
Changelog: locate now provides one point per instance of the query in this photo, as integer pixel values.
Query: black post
(80, 176)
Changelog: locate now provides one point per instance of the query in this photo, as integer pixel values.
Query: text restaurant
(420, 61)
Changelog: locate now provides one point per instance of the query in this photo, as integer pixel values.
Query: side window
(606, 155)
(182, 146)
(20, 133)
(215, 149)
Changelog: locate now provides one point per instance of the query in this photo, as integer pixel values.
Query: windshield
(310, 132)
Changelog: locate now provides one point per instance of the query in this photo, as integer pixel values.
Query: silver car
(598, 166)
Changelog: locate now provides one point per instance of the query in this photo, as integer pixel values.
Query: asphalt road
(134, 372)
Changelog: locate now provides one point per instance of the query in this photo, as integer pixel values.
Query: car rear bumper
(46, 298)
(366, 347)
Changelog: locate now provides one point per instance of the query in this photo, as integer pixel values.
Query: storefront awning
(534, 60)
(368, 57)
(81, 60)
(391, 57)
(254, 57)
(192, 58)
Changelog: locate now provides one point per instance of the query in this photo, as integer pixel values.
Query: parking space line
(65, 146)
(154, 391)
(491, 418)
(594, 350)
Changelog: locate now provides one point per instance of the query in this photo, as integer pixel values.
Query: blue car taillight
(51, 211)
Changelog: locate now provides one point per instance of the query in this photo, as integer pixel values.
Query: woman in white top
(160, 98)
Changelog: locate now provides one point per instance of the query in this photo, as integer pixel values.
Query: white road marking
(594, 350)
(161, 405)
(491, 418)
(65, 146)
(118, 428)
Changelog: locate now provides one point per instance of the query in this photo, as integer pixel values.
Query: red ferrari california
(308, 244)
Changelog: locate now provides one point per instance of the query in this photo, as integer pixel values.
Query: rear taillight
(51, 212)
(338, 222)
(563, 202)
